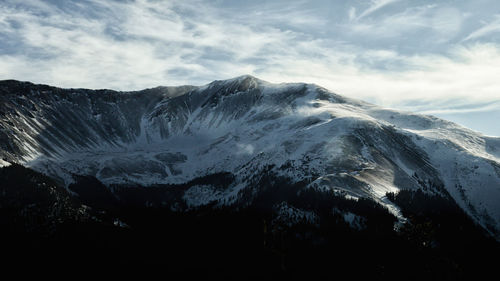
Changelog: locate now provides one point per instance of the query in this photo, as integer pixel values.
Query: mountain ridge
(170, 135)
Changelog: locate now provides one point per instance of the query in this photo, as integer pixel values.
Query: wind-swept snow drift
(243, 126)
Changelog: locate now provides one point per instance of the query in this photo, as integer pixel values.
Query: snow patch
(288, 215)
(245, 149)
(354, 221)
(200, 195)
(4, 163)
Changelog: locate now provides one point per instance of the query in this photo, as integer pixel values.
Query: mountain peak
(242, 78)
(244, 126)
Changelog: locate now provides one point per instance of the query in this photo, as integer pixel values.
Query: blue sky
(433, 57)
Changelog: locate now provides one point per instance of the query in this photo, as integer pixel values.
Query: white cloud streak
(79, 52)
(375, 6)
(487, 29)
(468, 75)
(139, 44)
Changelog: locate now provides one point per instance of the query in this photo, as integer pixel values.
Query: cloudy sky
(434, 57)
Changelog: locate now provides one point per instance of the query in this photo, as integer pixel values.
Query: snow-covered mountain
(247, 127)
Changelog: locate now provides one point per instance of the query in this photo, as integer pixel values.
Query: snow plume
(245, 149)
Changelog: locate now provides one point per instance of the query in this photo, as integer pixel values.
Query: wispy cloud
(406, 55)
(487, 29)
(375, 6)
(428, 22)
(495, 106)
(466, 74)
(130, 45)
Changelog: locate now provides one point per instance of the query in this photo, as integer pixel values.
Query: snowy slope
(243, 126)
